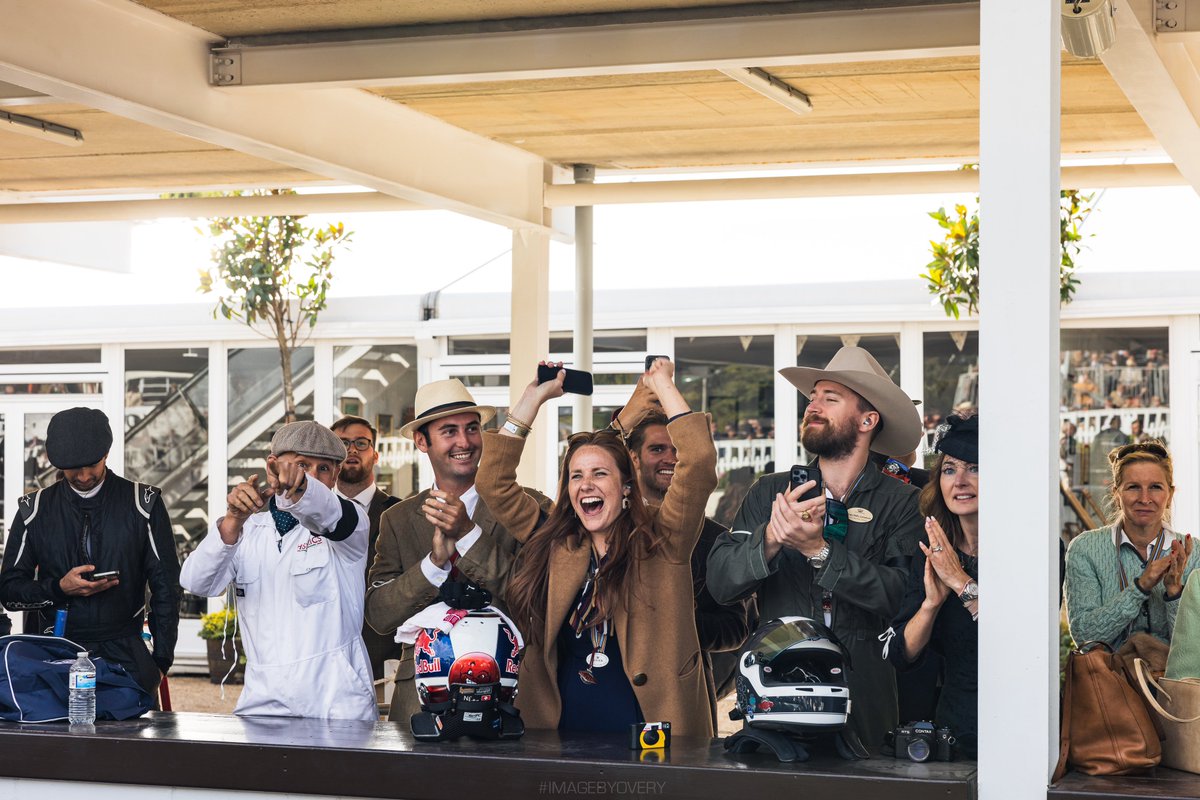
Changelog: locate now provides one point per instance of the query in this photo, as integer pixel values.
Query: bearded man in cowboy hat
(421, 538)
(840, 558)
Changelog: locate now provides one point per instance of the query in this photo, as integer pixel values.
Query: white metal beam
(1160, 79)
(611, 49)
(122, 58)
(882, 183)
(565, 195)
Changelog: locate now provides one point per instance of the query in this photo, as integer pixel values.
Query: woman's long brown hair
(631, 539)
(934, 505)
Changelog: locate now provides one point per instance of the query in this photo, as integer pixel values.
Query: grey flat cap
(308, 438)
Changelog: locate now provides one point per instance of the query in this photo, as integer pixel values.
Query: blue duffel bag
(34, 672)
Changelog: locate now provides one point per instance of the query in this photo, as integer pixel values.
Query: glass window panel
(50, 387)
(480, 381)
(90, 355)
(166, 438)
(380, 385)
(256, 404)
(1115, 388)
(602, 342)
(951, 379)
(38, 472)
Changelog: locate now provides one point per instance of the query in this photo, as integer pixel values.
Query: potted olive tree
(226, 658)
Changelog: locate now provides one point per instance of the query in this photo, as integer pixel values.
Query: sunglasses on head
(1154, 448)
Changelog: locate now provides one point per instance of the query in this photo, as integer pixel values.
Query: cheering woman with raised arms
(602, 587)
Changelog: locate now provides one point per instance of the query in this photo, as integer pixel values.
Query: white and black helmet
(792, 677)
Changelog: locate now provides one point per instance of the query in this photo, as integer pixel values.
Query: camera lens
(651, 738)
(918, 750)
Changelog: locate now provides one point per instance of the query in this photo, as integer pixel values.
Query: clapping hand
(795, 523)
(936, 591)
(447, 512)
(942, 555)
(1181, 552)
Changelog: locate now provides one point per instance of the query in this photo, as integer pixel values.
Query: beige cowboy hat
(444, 399)
(856, 369)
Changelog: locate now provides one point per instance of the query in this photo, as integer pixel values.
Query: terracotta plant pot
(221, 659)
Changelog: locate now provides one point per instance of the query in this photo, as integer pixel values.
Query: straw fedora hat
(856, 369)
(444, 399)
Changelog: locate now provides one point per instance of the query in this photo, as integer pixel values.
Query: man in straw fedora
(839, 558)
(422, 538)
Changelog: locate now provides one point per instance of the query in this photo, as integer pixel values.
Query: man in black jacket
(68, 536)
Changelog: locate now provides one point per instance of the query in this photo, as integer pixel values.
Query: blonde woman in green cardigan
(1128, 577)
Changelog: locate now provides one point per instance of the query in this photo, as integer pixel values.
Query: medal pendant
(597, 660)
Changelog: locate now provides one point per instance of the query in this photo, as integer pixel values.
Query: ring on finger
(805, 515)
(937, 548)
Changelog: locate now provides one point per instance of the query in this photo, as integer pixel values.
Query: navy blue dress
(607, 707)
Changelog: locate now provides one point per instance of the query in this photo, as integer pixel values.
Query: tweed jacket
(657, 632)
(397, 588)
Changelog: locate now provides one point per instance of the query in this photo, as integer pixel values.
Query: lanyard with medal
(836, 527)
(584, 613)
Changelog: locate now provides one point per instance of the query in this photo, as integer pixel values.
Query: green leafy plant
(273, 274)
(953, 274)
(221, 624)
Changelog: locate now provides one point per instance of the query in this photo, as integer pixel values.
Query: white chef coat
(299, 598)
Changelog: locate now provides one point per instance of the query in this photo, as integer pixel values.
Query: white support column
(324, 408)
(530, 342)
(112, 359)
(584, 337)
(1019, 330)
(787, 404)
(1183, 346)
(218, 429)
(912, 362)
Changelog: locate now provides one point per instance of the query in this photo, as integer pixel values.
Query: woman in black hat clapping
(941, 602)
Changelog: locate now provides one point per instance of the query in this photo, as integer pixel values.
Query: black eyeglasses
(1154, 448)
(361, 444)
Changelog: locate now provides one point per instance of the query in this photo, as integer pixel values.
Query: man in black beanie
(91, 543)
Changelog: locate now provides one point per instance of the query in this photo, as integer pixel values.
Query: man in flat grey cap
(295, 552)
(91, 543)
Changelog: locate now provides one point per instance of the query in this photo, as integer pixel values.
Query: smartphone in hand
(802, 473)
(577, 381)
(651, 359)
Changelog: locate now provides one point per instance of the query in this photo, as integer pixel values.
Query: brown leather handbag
(1106, 727)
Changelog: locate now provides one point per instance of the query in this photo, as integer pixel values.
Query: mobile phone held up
(651, 359)
(577, 382)
(802, 473)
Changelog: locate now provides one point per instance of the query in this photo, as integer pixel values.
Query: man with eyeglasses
(422, 538)
(840, 558)
(356, 482)
(92, 543)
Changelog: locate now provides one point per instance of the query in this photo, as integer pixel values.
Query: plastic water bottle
(81, 701)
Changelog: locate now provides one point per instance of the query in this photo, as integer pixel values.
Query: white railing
(735, 453)
(396, 452)
(1155, 421)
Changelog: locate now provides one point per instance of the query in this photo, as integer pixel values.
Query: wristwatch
(970, 592)
(818, 561)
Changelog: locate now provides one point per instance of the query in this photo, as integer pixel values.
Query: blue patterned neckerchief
(284, 522)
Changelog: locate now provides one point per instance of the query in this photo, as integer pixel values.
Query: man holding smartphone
(840, 558)
(92, 543)
(421, 538)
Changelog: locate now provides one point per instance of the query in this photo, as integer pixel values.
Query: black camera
(649, 736)
(920, 741)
